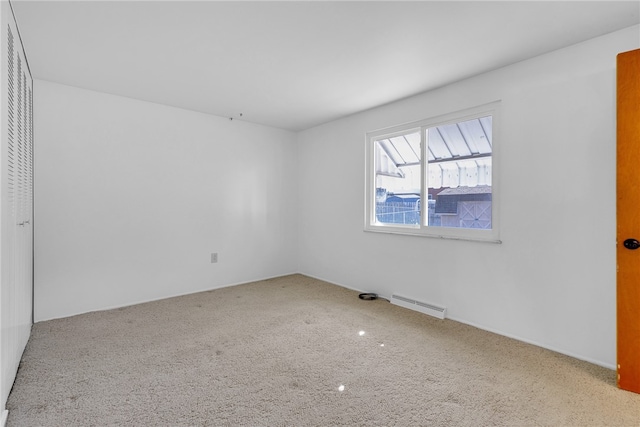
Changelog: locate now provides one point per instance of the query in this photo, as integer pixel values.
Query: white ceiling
(294, 65)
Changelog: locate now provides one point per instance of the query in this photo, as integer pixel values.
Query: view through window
(433, 176)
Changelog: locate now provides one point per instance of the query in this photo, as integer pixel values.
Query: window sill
(454, 234)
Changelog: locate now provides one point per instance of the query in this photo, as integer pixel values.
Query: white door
(16, 201)
(475, 214)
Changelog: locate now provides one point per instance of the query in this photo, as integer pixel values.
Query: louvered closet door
(22, 180)
(17, 201)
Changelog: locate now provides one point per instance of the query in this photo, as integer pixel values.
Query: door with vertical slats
(16, 202)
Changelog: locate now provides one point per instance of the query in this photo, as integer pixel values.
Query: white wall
(132, 197)
(552, 280)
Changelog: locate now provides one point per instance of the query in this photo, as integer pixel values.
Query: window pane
(433, 177)
(459, 174)
(398, 180)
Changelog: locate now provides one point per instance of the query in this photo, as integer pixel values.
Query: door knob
(631, 244)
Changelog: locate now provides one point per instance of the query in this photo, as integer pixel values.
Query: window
(435, 177)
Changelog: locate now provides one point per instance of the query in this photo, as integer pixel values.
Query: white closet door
(16, 203)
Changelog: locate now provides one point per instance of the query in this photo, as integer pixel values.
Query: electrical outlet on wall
(214, 257)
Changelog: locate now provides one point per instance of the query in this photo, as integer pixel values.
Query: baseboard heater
(423, 307)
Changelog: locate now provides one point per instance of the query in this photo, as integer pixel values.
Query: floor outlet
(214, 257)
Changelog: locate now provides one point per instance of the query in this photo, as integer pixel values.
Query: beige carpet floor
(290, 352)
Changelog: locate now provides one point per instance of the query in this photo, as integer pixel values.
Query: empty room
(257, 213)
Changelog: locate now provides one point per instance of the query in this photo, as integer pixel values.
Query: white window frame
(492, 235)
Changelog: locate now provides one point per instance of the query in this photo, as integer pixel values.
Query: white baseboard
(602, 363)
(537, 344)
(3, 420)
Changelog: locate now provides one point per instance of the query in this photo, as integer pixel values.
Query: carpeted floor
(290, 352)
